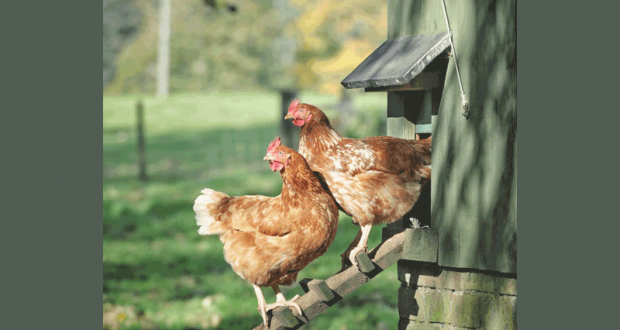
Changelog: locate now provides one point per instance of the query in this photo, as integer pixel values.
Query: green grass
(158, 272)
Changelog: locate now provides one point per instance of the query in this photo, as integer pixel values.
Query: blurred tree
(209, 48)
(211, 3)
(231, 7)
(277, 44)
(335, 36)
(121, 22)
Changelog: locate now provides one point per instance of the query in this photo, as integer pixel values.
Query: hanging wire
(463, 97)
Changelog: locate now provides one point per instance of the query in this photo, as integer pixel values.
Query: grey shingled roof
(397, 61)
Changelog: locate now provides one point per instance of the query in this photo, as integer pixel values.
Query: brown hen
(268, 240)
(374, 180)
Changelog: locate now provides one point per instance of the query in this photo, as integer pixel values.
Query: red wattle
(276, 166)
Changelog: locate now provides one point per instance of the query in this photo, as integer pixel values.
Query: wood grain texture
(319, 287)
(364, 262)
(420, 245)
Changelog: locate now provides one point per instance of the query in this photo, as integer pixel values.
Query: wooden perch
(320, 295)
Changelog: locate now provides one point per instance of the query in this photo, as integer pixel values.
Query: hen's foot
(289, 304)
(345, 262)
(353, 253)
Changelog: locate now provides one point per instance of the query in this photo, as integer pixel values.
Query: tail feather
(425, 172)
(424, 149)
(424, 152)
(203, 205)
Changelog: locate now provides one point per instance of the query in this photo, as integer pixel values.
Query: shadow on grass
(152, 178)
(240, 322)
(229, 323)
(120, 222)
(178, 265)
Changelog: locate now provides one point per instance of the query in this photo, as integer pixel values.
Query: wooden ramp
(320, 295)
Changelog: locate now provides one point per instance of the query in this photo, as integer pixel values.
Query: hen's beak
(269, 157)
(288, 116)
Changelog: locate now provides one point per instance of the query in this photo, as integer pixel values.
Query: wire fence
(191, 155)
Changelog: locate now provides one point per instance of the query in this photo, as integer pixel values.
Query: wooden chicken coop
(461, 271)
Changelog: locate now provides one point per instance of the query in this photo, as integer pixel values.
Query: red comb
(293, 105)
(274, 144)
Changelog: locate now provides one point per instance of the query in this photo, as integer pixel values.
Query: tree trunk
(163, 52)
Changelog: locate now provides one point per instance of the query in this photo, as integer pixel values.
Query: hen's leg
(261, 303)
(362, 245)
(281, 301)
(345, 254)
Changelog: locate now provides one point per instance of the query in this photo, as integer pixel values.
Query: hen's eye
(280, 153)
(301, 110)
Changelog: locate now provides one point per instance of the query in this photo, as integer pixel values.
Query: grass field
(158, 272)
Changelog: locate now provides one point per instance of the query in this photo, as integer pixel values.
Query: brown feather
(376, 179)
(268, 240)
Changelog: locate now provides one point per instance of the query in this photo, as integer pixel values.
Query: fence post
(286, 126)
(141, 145)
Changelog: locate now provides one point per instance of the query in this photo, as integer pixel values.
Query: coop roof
(397, 61)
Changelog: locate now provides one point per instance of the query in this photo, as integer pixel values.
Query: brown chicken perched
(268, 240)
(374, 180)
